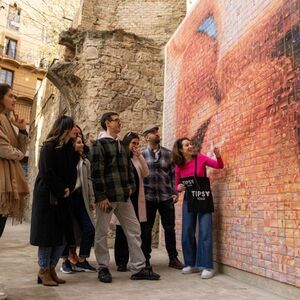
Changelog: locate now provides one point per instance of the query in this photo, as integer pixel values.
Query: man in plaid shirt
(160, 193)
(113, 182)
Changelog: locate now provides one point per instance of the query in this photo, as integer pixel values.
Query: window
(10, 48)
(14, 16)
(6, 76)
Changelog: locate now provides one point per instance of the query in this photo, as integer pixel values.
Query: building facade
(21, 62)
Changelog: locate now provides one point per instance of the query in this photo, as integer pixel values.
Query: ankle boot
(45, 278)
(55, 277)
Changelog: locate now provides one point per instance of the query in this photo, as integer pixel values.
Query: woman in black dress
(51, 225)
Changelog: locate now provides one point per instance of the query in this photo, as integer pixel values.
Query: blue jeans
(196, 254)
(86, 226)
(48, 257)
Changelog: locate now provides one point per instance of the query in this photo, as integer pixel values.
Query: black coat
(51, 223)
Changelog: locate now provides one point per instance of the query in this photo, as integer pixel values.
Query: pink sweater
(189, 168)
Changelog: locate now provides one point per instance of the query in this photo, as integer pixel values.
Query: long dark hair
(86, 149)
(59, 130)
(128, 137)
(4, 89)
(177, 155)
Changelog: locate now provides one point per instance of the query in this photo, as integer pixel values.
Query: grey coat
(84, 176)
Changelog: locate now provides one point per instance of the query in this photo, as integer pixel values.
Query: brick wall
(233, 80)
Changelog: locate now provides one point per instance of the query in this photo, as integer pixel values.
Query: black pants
(78, 211)
(166, 210)
(2, 223)
(121, 245)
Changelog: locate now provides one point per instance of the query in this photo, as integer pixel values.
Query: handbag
(198, 193)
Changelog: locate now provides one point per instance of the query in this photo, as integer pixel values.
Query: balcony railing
(25, 58)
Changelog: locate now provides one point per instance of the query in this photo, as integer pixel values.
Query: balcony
(26, 60)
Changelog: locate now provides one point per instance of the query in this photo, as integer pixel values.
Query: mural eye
(209, 27)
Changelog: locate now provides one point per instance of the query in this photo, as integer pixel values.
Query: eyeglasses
(115, 120)
(129, 134)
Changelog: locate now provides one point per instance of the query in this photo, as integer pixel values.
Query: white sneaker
(207, 273)
(190, 270)
(3, 295)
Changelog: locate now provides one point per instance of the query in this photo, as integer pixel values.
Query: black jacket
(50, 220)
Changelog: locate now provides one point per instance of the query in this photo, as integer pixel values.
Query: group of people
(79, 191)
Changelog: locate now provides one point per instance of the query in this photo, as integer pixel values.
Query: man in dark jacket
(113, 184)
(160, 193)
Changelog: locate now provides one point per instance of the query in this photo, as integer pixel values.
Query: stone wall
(112, 71)
(156, 19)
(232, 80)
(113, 60)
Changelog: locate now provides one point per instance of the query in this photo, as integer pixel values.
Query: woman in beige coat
(82, 206)
(140, 168)
(13, 186)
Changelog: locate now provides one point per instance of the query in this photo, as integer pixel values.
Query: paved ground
(18, 268)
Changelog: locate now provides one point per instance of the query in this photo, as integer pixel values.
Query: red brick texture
(236, 82)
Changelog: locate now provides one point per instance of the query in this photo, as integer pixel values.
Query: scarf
(13, 185)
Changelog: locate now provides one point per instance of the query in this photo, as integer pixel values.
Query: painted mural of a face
(236, 77)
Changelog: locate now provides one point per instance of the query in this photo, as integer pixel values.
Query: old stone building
(112, 60)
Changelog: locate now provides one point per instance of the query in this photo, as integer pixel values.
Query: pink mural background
(233, 80)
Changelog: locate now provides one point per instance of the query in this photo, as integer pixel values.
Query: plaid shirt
(159, 185)
(112, 171)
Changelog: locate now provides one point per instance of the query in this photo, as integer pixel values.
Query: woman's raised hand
(217, 152)
(18, 122)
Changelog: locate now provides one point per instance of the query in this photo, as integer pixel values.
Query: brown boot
(45, 278)
(55, 277)
(176, 263)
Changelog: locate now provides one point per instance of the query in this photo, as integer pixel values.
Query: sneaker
(145, 274)
(122, 268)
(104, 275)
(66, 267)
(83, 267)
(207, 273)
(190, 270)
(3, 295)
(175, 263)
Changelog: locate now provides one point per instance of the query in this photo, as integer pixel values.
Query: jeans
(48, 257)
(86, 226)
(2, 224)
(167, 212)
(197, 254)
(121, 245)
